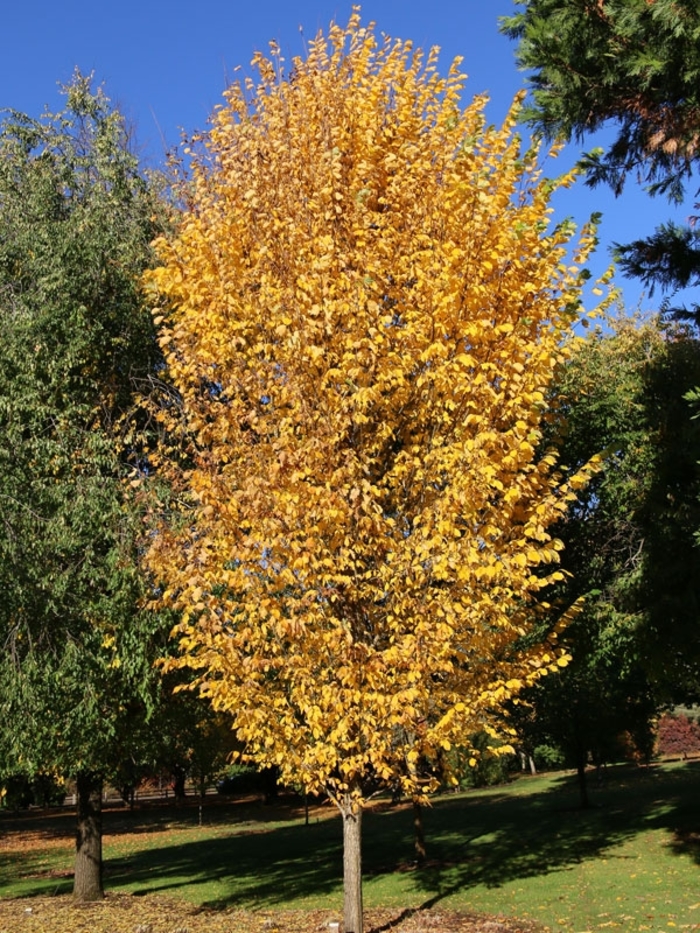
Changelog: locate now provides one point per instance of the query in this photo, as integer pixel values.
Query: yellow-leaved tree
(361, 315)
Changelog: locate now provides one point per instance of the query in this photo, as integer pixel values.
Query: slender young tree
(361, 314)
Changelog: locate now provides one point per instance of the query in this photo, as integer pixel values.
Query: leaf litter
(125, 913)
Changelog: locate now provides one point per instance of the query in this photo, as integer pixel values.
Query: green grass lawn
(526, 850)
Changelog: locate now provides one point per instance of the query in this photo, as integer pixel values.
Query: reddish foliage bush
(678, 736)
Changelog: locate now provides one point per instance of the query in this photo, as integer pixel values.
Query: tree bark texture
(88, 885)
(352, 866)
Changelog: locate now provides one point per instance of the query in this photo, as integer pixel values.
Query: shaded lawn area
(632, 861)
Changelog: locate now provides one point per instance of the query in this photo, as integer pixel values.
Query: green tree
(629, 540)
(194, 742)
(635, 64)
(76, 220)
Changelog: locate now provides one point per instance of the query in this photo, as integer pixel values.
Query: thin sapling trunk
(351, 812)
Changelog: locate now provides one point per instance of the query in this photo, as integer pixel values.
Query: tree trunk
(352, 866)
(87, 885)
(418, 831)
(270, 786)
(179, 777)
(582, 782)
(582, 744)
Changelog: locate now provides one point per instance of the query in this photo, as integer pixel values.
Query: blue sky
(166, 64)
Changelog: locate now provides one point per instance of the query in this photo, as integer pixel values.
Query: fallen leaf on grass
(124, 913)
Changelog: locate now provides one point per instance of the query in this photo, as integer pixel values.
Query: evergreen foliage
(635, 64)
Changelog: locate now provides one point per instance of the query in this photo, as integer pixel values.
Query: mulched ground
(124, 913)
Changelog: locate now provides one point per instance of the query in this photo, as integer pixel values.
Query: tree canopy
(634, 532)
(76, 220)
(629, 540)
(634, 64)
(361, 314)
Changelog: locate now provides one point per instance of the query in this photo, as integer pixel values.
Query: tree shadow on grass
(274, 866)
(34, 875)
(216, 811)
(499, 837)
(488, 839)
(38, 859)
(684, 819)
(153, 817)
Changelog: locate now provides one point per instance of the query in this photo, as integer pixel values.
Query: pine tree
(635, 63)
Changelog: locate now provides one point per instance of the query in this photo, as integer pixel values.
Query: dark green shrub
(490, 768)
(549, 758)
